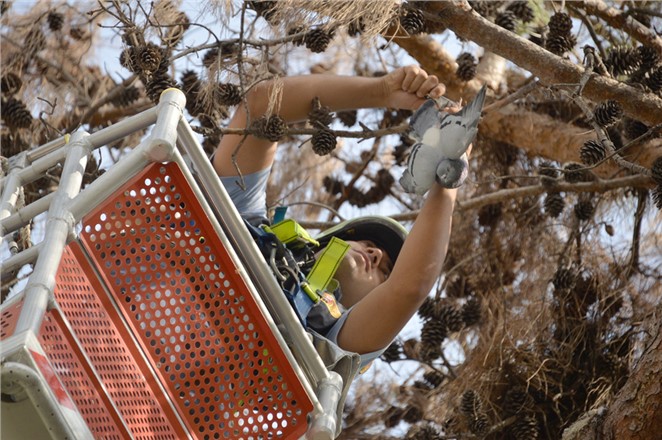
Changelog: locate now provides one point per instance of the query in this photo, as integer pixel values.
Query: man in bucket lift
(386, 273)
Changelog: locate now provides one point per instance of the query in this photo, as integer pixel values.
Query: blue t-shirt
(251, 203)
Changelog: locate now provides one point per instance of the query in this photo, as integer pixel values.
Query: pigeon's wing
(471, 113)
(407, 182)
(425, 117)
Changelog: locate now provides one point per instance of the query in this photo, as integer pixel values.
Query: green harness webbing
(320, 278)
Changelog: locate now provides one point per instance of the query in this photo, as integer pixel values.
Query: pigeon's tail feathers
(471, 113)
(425, 117)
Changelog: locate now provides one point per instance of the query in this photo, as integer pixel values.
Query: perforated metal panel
(9, 318)
(123, 372)
(194, 315)
(65, 360)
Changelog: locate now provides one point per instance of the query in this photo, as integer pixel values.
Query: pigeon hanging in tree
(442, 140)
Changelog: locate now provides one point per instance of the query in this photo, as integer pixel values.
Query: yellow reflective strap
(326, 265)
(310, 292)
(288, 231)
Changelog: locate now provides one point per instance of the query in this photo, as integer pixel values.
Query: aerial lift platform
(150, 313)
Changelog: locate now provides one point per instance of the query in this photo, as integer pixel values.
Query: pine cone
(607, 113)
(264, 8)
(471, 311)
(489, 215)
(191, 87)
(560, 24)
(632, 128)
(654, 81)
(592, 152)
(657, 196)
(320, 115)
(347, 117)
(575, 173)
(470, 403)
(392, 352)
(450, 316)
(522, 10)
(433, 378)
(55, 21)
(272, 128)
(427, 309)
(323, 141)
(622, 60)
(549, 172)
(648, 57)
(298, 41)
(584, 209)
(560, 44)
(479, 424)
(656, 170)
(149, 58)
(466, 66)
(564, 278)
(128, 95)
(11, 83)
(412, 414)
(317, 40)
(15, 113)
(333, 186)
(516, 400)
(411, 19)
(433, 332)
(506, 19)
(157, 84)
(525, 428)
(554, 204)
(484, 8)
(227, 94)
(393, 416)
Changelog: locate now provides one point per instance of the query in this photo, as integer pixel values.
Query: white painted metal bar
(11, 186)
(59, 226)
(45, 149)
(23, 215)
(164, 135)
(17, 261)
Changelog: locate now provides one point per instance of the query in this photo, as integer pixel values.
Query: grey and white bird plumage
(441, 142)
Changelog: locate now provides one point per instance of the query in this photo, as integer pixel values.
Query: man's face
(364, 267)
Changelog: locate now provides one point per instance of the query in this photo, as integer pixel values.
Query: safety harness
(306, 279)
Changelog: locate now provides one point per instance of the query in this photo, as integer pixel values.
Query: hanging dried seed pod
(560, 23)
(433, 332)
(470, 403)
(412, 414)
(317, 40)
(656, 170)
(633, 128)
(319, 115)
(393, 416)
(128, 59)
(323, 141)
(191, 86)
(227, 94)
(125, 97)
(506, 19)
(411, 19)
(522, 10)
(427, 309)
(584, 208)
(11, 83)
(622, 60)
(564, 277)
(648, 57)
(607, 113)
(450, 316)
(525, 428)
(272, 128)
(55, 21)
(560, 44)
(592, 152)
(516, 400)
(489, 215)
(466, 66)
(149, 58)
(15, 113)
(348, 117)
(575, 172)
(393, 352)
(554, 204)
(471, 311)
(157, 84)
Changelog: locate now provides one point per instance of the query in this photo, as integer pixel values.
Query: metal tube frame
(69, 204)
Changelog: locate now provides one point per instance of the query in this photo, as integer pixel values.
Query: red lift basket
(154, 327)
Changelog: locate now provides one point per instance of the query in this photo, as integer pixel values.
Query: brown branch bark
(549, 68)
(636, 413)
